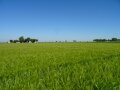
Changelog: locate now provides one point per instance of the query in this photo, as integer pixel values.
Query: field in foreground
(60, 66)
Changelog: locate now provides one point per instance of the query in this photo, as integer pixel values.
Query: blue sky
(51, 20)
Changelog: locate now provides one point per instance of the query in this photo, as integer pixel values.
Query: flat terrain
(60, 66)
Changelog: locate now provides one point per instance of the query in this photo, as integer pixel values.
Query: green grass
(60, 66)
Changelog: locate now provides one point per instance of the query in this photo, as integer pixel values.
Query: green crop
(60, 66)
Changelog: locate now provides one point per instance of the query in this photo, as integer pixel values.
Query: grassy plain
(60, 66)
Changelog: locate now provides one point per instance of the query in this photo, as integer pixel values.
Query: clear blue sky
(50, 20)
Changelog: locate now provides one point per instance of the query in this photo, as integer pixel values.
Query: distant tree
(21, 39)
(103, 40)
(95, 40)
(74, 41)
(34, 40)
(15, 41)
(11, 41)
(27, 40)
(114, 39)
(24, 40)
(100, 40)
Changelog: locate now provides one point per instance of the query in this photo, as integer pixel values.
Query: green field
(60, 66)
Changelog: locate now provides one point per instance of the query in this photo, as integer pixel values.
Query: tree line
(24, 40)
(106, 40)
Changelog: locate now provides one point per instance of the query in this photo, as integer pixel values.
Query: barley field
(60, 66)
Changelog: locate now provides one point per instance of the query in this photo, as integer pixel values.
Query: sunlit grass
(60, 66)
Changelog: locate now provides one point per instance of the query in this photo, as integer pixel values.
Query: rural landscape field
(60, 66)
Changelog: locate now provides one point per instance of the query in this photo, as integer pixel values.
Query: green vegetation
(107, 40)
(60, 66)
(24, 40)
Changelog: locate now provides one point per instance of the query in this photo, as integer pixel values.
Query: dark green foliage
(33, 40)
(105, 40)
(21, 39)
(24, 40)
(11, 41)
(15, 41)
(100, 40)
(114, 39)
(27, 40)
(74, 40)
